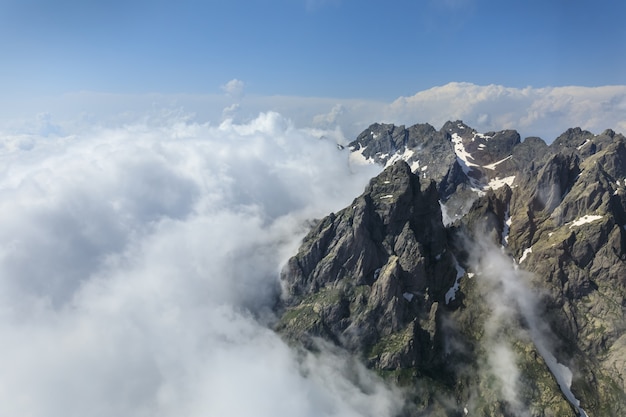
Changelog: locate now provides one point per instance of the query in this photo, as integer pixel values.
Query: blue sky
(322, 48)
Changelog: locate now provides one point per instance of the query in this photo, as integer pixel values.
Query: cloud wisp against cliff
(514, 314)
(139, 265)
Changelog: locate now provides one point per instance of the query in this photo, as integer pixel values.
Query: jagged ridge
(373, 278)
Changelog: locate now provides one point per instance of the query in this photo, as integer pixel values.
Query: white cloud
(545, 112)
(330, 118)
(234, 88)
(230, 111)
(138, 268)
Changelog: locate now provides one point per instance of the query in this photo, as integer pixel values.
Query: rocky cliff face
(371, 277)
(515, 307)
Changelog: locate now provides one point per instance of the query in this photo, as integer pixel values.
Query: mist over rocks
(139, 267)
(523, 308)
(375, 269)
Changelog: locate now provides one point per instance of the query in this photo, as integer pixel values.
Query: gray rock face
(485, 148)
(372, 275)
(578, 259)
(385, 279)
(566, 226)
(429, 152)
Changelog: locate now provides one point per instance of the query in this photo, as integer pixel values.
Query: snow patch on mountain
(507, 226)
(583, 145)
(357, 158)
(498, 182)
(495, 164)
(526, 252)
(585, 219)
(463, 157)
(482, 136)
(404, 156)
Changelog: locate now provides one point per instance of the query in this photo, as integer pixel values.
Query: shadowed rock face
(374, 274)
(376, 277)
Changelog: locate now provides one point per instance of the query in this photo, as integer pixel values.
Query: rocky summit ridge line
(483, 274)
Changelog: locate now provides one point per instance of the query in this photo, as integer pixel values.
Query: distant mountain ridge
(407, 277)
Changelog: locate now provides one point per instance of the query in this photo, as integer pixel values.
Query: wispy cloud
(234, 88)
(511, 301)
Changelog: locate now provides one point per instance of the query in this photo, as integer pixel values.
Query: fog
(139, 265)
(514, 313)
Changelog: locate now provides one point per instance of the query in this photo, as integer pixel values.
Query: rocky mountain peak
(422, 303)
(572, 138)
(374, 273)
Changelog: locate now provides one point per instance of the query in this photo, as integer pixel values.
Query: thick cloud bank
(545, 112)
(138, 267)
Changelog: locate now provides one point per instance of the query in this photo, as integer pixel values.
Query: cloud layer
(138, 268)
(544, 112)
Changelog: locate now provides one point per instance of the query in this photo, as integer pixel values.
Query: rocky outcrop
(566, 225)
(371, 277)
(578, 259)
(386, 280)
(485, 148)
(429, 152)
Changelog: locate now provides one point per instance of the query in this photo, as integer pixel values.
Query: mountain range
(480, 274)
